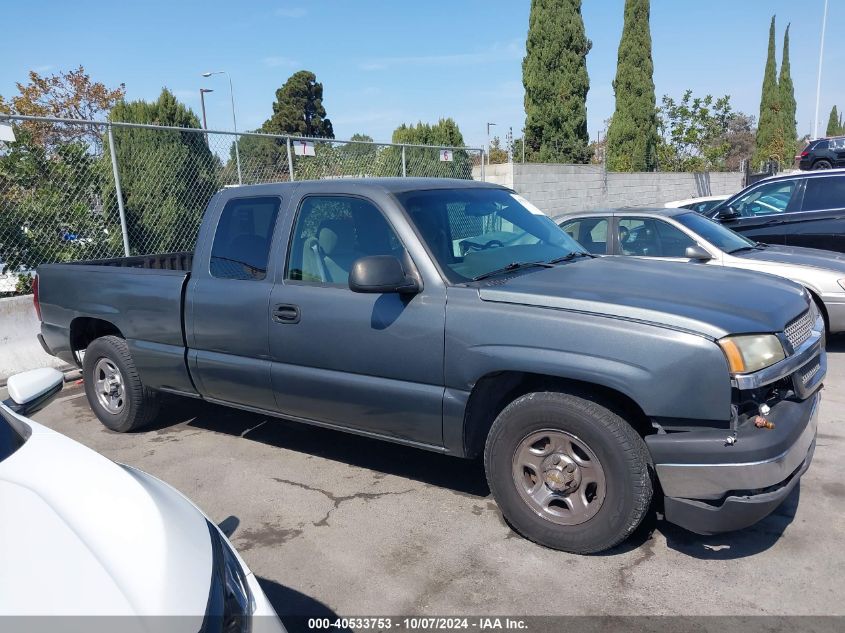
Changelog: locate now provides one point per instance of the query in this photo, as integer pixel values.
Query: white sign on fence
(7, 133)
(446, 155)
(304, 148)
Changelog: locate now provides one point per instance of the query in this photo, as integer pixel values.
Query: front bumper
(711, 485)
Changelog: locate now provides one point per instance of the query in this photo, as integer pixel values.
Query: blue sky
(383, 62)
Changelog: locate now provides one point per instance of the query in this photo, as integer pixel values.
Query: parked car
(680, 235)
(699, 205)
(456, 317)
(82, 535)
(823, 153)
(803, 209)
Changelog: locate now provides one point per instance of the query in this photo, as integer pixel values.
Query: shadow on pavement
(295, 608)
(460, 475)
(836, 343)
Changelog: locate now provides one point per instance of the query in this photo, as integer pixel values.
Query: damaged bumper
(713, 486)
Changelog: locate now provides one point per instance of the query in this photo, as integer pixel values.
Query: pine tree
(833, 123)
(632, 136)
(788, 105)
(298, 108)
(770, 126)
(554, 73)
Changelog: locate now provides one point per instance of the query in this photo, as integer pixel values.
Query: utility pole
(202, 104)
(488, 142)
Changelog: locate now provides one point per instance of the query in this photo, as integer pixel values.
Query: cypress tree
(833, 126)
(770, 126)
(632, 136)
(554, 73)
(788, 106)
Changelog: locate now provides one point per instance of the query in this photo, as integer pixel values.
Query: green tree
(167, 176)
(298, 109)
(497, 154)
(788, 105)
(423, 161)
(554, 74)
(770, 128)
(693, 132)
(632, 137)
(834, 126)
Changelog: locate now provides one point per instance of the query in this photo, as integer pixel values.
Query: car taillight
(35, 301)
(804, 154)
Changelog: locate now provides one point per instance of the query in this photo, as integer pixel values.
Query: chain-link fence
(72, 190)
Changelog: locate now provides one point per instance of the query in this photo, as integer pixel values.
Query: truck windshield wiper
(511, 267)
(571, 256)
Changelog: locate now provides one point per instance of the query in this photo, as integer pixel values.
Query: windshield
(713, 232)
(472, 232)
(13, 434)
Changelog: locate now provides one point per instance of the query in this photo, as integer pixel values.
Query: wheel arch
(84, 330)
(495, 390)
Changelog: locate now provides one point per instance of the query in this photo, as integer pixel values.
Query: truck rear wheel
(114, 389)
(568, 473)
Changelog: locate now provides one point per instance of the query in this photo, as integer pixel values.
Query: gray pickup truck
(454, 316)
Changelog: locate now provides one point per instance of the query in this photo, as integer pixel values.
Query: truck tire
(567, 472)
(114, 389)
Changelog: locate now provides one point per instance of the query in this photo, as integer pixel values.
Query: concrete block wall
(19, 347)
(560, 189)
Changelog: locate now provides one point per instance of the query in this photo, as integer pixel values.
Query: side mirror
(727, 213)
(697, 253)
(381, 274)
(31, 390)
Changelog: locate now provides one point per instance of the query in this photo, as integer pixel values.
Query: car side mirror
(31, 390)
(697, 253)
(728, 213)
(381, 274)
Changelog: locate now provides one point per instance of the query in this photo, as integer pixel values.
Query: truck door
(226, 303)
(368, 362)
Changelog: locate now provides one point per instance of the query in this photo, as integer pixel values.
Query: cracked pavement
(332, 522)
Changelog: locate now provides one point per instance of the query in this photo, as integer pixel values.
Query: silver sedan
(681, 235)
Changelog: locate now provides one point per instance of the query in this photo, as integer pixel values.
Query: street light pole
(819, 78)
(234, 118)
(488, 142)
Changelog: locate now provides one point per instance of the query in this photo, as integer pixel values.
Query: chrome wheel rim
(559, 477)
(109, 386)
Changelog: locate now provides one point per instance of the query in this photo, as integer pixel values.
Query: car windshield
(472, 232)
(718, 235)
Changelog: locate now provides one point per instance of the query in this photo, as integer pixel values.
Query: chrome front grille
(799, 330)
(807, 376)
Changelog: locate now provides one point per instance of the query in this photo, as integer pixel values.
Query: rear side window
(824, 193)
(242, 242)
(591, 233)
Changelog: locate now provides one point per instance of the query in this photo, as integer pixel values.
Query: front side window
(824, 193)
(332, 232)
(471, 232)
(765, 200)
(242, 241)
(591, 233)
(717, 234)
(647, 237)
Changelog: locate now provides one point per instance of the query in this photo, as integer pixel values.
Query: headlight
(751, 352)
(230, 602)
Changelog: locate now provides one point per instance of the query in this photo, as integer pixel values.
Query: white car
(82, 535)
(699, 205)
(681, 235)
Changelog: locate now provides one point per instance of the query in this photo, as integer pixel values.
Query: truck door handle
(286, 313)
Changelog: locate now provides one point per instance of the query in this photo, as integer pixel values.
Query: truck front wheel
(114, 389)
(567, 472)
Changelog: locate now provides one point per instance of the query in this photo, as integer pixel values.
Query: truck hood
(82, 535)
(707, 300)
(797, 255)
